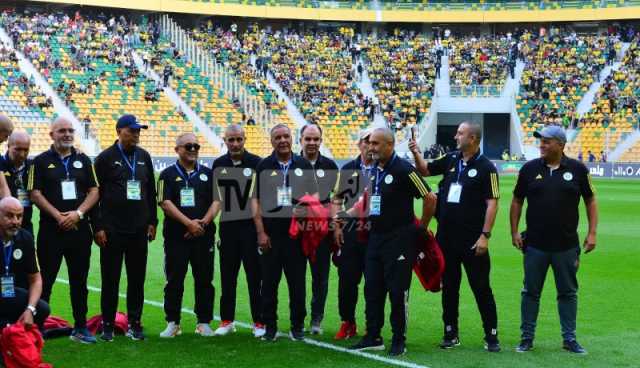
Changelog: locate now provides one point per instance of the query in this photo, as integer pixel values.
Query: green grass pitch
(608, 317)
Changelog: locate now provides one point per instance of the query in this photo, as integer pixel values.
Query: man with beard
(21, 281)
(127, 222)
(326, 174)
(64, 187)
(283, 178)
(234, 175)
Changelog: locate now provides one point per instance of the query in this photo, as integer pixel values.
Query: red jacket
(22, 347)
(313, 228)
(121, 324)
(429, 265)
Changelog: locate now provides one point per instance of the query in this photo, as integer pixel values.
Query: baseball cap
(364, 134)
(129, 121)
(552, 132)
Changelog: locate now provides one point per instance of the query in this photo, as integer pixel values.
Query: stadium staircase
(366, 87)
(443, 84)
(586, 103)
(630, 141)
(91, 145)
(181, 105)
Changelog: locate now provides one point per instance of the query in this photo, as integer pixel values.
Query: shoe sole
(76, 339)
(222, 334)
(172, 336)
(134, 338)
(491, 351)
(267, 339)
(294, 338)
(523, 351)
(106, 340)
(574, 352)
(396, 355)
(449, 347)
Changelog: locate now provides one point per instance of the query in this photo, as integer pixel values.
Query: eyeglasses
(234, 139)
(191, 147)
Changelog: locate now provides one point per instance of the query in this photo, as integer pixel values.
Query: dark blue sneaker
(135, 332)
(524, 346)
(573, 347)
(107, 333)
(82, 335)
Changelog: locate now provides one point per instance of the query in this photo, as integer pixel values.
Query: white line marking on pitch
(325, 345)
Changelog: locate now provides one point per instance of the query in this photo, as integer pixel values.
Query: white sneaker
(171, 331)
(203, 329)
(225, 328)
(258, 330)
(316, 328)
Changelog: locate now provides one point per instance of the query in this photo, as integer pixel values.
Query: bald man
(6, 128)
(185, 194)
(233, 175)
(21, 281)
(15, 166)
(63, 185)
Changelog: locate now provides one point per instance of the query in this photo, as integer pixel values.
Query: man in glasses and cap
(127, 221)
(552, 185)
(185, 194)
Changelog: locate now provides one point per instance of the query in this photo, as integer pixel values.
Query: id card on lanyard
(375, 202)
(21, 192)
(284, 191)
(134, 189)
(68, 185)
(187, 194)
(7, 281)
(455, 189)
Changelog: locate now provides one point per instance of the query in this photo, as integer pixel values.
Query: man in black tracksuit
(64, 187)
(353, 180)
(15, 166)
(391, 249)
(186, 196)
(127, 222)
(467, 206)
(234, 176)
(283, 178)
(326, 174)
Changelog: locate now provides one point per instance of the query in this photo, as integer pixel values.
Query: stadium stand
(88, 63)
(23, 102)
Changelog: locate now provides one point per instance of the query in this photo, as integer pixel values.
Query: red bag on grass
(120, 326)
(56, 327)
(22, 347)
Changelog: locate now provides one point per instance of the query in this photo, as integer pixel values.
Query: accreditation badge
(284, 196)
(134, 191)
(68, 189)
(7, 286)
(455, 192)
(375, 205)
(187, 197)
(23, 197)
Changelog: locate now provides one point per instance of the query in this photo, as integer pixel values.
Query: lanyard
(380, 174)
(132, 167)
(460, 168)
(16, 172)
(65, 164)
(184, 176)
(285, 171)
(7, 256)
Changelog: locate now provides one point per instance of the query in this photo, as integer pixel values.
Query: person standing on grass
(186, 197)
(391, 250)
(16, 166)
(126, 223)
(234, 175)
(552, 185)
(326, 174)
(467, 206)
(63, 185)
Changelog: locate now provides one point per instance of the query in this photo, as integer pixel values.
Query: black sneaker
(573, 347)
(398, 347)
(296, 334)
(135, 332)
(449, 342)
(525, 345)
(491, 344)
(270, 334)
(107, 333)
(369, 343)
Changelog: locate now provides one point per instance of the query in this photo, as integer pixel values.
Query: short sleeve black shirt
(17, 179)
(233, 184)
(326, 173)
(23, 258)
(479, 180)
(398, 185)
(48, 173)
(172, 182)
(353, 180)
(553, 198)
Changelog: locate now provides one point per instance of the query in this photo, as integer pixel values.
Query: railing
(476, 91)
(222, 77)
